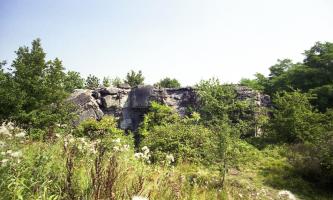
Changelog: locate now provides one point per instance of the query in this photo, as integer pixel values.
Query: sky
(189, 40)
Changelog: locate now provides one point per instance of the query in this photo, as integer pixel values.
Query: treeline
(132, 79)
(302, 95)
(313, 76)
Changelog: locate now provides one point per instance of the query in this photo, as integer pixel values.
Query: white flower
(16, 154)
(3, 153)
(9, 151)
(4, 131)
(138, 155)
(2, 144)
(116, 140)
(93, 150)
(170, 159)
(139, 198)
(145, 150)
(10, 126)
(57, 135)
(125, 147)
(21, 134)
(68, 140)
(285, 194)
(116, 148)
(4, 162)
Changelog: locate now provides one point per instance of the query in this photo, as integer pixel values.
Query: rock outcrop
(130, 105)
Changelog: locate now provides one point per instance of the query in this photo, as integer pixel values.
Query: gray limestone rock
(110, 101)
(130, 105)
(86, 105)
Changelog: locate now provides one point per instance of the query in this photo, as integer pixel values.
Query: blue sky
(185, 39)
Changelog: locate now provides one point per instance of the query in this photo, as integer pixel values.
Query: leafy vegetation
(92, 82)
(224, 148)
(168, 83)
(106, 82)
(33, 90)
(134, 78)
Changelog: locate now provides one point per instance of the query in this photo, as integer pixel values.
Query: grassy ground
(77, 168)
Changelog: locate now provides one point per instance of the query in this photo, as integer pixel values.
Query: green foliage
(94, 129)
(77, 168)
(314, 74)
(219, 104)
(206, 149)
(116, 82)
(11, 99)
(73, 80)
(158, 115)
(258, 83)
(280, 68)
(183, 141)
(168, 83)
(33, 89)
(92, 82)
(106, 82)
(216, 101)
(134, 79)
(294, 119)
(251, 83)
(324, 97)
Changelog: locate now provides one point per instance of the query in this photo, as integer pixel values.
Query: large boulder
(110, 101)
(86, 105)
(130, 105)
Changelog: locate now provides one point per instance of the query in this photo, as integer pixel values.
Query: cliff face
(130, 105)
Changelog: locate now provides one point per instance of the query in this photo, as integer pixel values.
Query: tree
(73, 80)
(116, 82)
(218, 105)
(168, 83)
(92, 82)
(281, 67)
(324, 97)
(294, 119)
(34, 89)
(320, 56)
(106, 82)
(134, 79)
(314, 75)
(216, 101)
(11, 98)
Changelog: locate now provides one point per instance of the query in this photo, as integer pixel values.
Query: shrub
(158, 115)
(93, 129)
(134, 78)
(168, 83)
(186, 142)
(295, 120)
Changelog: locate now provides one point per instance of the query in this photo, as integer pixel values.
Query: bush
(168, 83)
(186, 142)
(295, 120)
(93, 129)
(158, 115)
